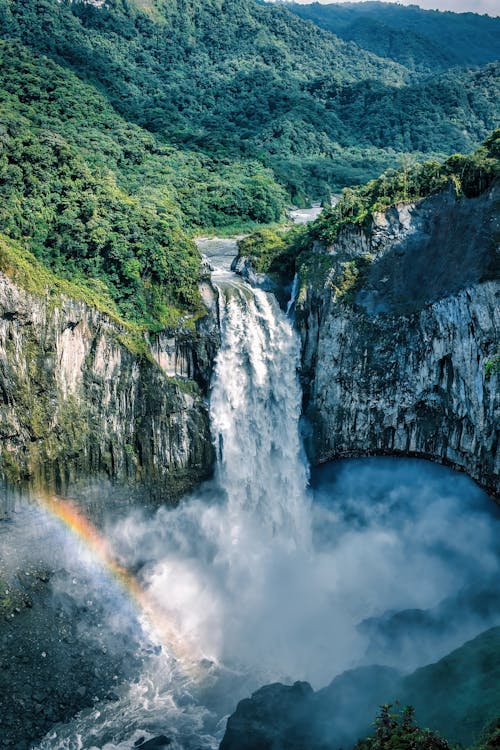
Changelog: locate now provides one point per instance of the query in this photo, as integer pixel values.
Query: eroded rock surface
(399, 340)
(85, 402)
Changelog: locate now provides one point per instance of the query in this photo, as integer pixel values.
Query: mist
(388, 535)
(263, 577)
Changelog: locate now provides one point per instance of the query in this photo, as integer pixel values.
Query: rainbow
(161, 626)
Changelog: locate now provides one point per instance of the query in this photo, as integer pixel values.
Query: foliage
(264, 85)
(490, 737)
(129, 125)
(424, 40)
(23, 268)
(274, 250)
(93, 197)
(262, 247)
(397, 730)
(354, 274)
(304, 250)
(492, 366)
(467, 175)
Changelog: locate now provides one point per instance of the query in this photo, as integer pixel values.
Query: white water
(208, 552)
(255, 404)
(267, 585)
(294, 294)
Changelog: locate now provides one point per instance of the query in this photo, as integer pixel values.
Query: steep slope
(422, 40)
(398, 343)
(91, 405)
(262, 84)
(399, 317)
(457, 696)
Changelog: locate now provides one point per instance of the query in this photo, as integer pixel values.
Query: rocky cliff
(401, 337)
(91, 409)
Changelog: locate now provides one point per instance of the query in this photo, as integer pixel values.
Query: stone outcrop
(401, 339)
(455, 697)
(90, 408)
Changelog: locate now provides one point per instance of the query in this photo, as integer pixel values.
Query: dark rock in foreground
(457, 696)
(155, 743)
(275, 716)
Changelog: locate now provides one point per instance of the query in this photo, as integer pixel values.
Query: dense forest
(128, 126)
(422, 40)
(265, 85)
(95, 197)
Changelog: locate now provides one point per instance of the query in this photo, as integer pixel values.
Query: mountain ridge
(263, 85)
(409, 34)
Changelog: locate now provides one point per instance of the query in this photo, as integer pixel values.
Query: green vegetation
(274, 250)
(105, 204)
(22, 266)
(397, 730)
(303, 249)
(490, 737)
(423, 40)
(354, 274)
(465, 175)
(492, 366)
(263, 85)
(262, 247)
(130, 126)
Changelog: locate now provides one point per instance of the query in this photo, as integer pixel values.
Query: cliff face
(397, 341)
(88, 409)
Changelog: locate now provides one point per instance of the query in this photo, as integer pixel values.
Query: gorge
(401, 368)
(249, 454)
(261, 577)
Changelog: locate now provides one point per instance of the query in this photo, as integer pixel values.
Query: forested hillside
(423, 40)
(237, 79)
(94, 197)
(127, 126)
(286, 251)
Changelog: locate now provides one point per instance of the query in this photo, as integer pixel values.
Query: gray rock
(401, 368)
(156, 743)
(91, 407)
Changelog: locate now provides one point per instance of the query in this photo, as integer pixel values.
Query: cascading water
(259, 493)
(293, 295)
(255, 405)
(260, 584)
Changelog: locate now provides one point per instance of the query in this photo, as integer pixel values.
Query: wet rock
(398, 363)
(276, 716)
(156, 743)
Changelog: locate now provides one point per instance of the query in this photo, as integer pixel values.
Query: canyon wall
(91, 409)
(401, 337)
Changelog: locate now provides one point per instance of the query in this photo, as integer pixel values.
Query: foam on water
(269, 585)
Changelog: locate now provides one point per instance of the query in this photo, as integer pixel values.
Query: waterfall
(228, 564)
(260, 585)
(255, 408)
(293, 295)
